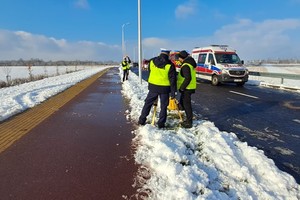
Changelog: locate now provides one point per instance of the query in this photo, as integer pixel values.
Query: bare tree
(7, 70)
(29, 67)
(57, 71)
(45, 71)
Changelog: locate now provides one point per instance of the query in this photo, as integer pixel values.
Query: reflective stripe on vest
(159, 76)
(180, 79)
(127, 65)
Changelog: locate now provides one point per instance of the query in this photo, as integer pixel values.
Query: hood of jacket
(161, 60)
(190, 61)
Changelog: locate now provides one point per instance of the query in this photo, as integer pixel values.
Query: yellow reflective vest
(180, 79)
(125, 65)
(159, 76)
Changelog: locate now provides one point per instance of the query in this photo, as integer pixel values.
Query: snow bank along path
(18, 98)
(202, 162)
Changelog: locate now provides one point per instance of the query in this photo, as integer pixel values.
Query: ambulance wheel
(215, 80)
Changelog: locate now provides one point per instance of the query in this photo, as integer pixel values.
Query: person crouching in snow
(126, 67)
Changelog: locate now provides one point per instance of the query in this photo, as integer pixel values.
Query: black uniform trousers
(185, 102)
(149, 101)
(125, 74)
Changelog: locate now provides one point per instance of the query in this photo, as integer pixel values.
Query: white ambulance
(220, 64)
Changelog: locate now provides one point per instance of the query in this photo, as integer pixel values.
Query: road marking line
(296, 120)
(254, 97)
(290, 105)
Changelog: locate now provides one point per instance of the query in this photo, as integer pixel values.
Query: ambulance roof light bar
(218, 45)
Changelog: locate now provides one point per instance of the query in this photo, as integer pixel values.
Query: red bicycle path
(82, 151)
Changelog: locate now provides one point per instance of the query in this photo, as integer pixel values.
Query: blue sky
(91, 29)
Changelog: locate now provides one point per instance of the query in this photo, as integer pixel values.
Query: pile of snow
(202, 162)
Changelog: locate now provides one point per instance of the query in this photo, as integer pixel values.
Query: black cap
(183, 54)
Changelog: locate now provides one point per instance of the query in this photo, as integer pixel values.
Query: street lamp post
(123, 42)
(140, 41)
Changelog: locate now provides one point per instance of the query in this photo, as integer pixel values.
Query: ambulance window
(202, 58)
(211, 59)
(227, 58)
(235, 59)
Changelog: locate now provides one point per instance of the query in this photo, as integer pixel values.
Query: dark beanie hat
(183, 54)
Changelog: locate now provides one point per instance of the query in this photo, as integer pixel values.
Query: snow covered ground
(23, 72)
(18, 98)
(202, 162)
(198, 163)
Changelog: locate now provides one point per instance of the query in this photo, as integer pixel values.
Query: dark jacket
(186, 73)
(161, 61)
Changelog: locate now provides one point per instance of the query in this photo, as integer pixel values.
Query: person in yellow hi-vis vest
(186, 84)
(161, 83)
(126, 67)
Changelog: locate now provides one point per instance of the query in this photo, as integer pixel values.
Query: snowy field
(23, 72)
(191, 164)
(18, 98)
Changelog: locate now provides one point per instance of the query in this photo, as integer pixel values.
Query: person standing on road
(126, 67)
(161, 82)
(186, 84)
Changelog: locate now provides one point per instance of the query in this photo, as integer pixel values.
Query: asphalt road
(266, 118)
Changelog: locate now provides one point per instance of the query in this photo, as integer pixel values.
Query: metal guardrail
(276, 75)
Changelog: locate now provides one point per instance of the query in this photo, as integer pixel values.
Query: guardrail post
(281, 80)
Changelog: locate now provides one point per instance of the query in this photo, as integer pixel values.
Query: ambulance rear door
(201, 63)
(211, 64)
